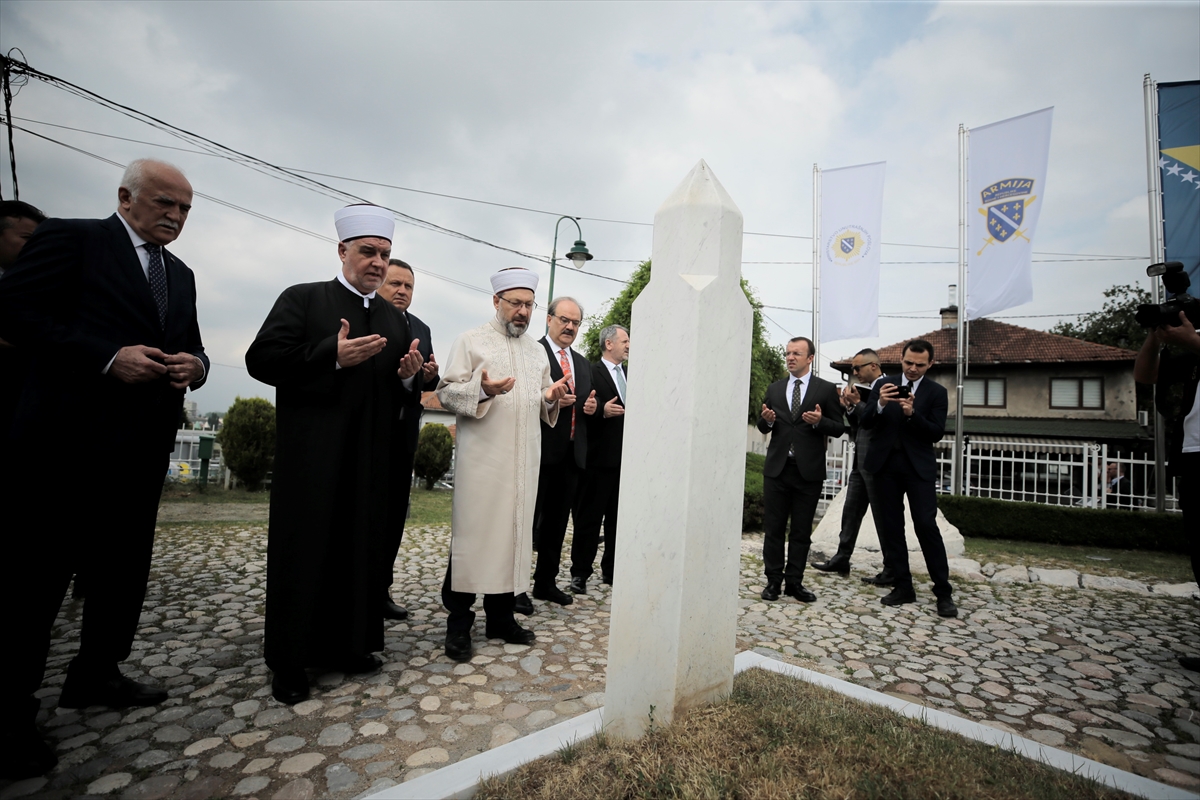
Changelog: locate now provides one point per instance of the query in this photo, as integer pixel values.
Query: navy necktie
(158, 282)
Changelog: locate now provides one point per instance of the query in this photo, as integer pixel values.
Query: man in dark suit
(127, 354)
(397, 289)
(799, 412)
(866, 372)
(599, 494)
(907, 413)
(564, 451)
(18, 221)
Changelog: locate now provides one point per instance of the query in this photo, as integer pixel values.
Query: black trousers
(788, 496)
(896, 479)
(106, 529)
(395, 533)
(497, 607)
(598, 501)
(558, 486)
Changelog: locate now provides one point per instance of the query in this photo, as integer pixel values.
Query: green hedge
(985, 518)
(752, 498)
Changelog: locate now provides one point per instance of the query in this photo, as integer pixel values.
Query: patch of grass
(1143, 565)
(430, 507)
(777, 737)
(177, 492)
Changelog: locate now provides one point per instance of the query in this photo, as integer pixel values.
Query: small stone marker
(674, 609)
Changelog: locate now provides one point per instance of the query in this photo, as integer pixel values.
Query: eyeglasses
(861, 366)
(574, 323)
(517, 304)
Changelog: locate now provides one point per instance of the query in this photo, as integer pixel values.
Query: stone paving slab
(1089, 670)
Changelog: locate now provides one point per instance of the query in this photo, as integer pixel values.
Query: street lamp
(578, 254)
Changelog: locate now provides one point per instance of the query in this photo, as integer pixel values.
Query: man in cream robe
(497, 382)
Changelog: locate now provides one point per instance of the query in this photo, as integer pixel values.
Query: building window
(983, 392)
(1077, 393)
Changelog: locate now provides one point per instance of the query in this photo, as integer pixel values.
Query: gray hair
(553, 309)
(609, 333)
(134, 178)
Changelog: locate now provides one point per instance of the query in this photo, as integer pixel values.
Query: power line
(528, 209)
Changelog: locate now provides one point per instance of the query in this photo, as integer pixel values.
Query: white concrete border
(462, 779)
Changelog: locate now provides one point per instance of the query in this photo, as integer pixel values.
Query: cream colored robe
(499, 443)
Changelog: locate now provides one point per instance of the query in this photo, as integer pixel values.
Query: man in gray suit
(865, 372)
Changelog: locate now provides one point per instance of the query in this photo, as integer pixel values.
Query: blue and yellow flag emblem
(848, 245)
(1004, 218)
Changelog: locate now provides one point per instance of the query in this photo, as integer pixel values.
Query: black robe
(334, 460)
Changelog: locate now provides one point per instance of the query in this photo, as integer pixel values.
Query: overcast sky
(597, 110)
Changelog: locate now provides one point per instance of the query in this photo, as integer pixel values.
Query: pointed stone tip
(699, 187)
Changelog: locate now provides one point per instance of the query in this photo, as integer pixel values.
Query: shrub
(435, 449)
(247, 440)
(752, 497)
(986, 518)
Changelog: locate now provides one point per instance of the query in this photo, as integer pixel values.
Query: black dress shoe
(554, 595)
(898, 597)
(513, 635)
(522, 604)
(578, 585)
(839, 564)
(946, 607)
(606, 580)
(118, 692)
(801, 594)
(289, 686)
(771, 592)
(1190, 662)
(23, 755)
(393, 611)
(357, 665)
(884, 578)
(458, 645)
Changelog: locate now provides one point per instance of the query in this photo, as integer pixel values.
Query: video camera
(1175, 281)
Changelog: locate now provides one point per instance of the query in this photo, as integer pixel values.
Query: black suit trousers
(598, 500)
(558, 486)
(896, 479)
(497, 607)
(395, 532)
(105, 530)
(860, 497)
(788, 496)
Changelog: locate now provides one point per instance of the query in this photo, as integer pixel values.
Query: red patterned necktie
(565, 363)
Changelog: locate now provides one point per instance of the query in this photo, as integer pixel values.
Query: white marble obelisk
(674, 607)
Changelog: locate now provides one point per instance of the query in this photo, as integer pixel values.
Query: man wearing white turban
(343, 363)
(497, 382)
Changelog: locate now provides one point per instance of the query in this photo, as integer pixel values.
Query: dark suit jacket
(916, 434)
(76, 296)
(410, 402)
(604, 435)
(806, 441)
(861, 436)
(555, 441)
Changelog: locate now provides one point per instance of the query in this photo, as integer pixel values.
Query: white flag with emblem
(1006, 186)
(851, 217)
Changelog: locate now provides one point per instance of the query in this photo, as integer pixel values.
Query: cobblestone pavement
(1088, 670)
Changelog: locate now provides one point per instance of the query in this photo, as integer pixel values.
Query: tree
(1113, 325)
(214, 420)
(435, 450)
(766, 362)
(247, 440)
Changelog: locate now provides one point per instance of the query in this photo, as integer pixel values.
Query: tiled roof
(1058, 428)
(993, 342)
(430, 402)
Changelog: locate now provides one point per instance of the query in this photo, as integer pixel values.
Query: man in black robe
(340, 358)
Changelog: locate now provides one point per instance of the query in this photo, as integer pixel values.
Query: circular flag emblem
(848, 245)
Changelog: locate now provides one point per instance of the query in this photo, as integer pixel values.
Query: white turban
(364, 220)
(514, 278)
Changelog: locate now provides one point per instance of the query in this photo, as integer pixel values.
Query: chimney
(950, 312)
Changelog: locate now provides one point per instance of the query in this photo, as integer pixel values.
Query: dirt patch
(213, 512)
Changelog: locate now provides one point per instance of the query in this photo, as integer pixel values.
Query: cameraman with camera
(1176, 376)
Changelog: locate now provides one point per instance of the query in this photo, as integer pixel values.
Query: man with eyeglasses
(498, 385)
(564, 451)
(865, 373)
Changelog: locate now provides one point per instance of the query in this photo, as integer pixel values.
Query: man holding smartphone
(907, 414)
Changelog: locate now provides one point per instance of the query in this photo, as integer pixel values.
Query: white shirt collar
(914, 384)
(138, 241)
(367, 298)
(555, 347)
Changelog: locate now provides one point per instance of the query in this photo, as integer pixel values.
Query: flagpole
(816, 266)
(1154, 198)
(957, 483)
